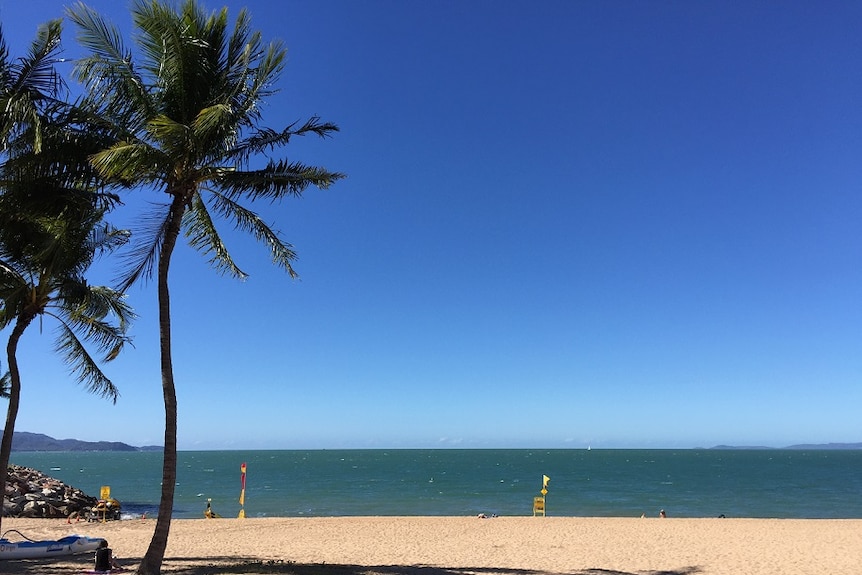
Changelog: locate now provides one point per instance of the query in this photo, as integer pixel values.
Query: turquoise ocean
(597, 482)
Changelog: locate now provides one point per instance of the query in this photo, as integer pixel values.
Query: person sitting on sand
(209, 513)
(105, 560)
(662, 514)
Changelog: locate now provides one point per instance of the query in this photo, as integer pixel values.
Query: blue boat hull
(71, 545)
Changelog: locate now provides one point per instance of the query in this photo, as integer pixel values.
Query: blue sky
(616, 224)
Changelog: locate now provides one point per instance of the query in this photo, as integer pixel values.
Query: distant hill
(742, 447)
(808, 446)
(25, 441)
(826, 446)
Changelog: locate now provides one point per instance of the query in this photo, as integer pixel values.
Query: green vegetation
(185, 112)
(181, 116)
(52, 205)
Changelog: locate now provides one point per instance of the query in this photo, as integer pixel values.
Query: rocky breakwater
(31, 493)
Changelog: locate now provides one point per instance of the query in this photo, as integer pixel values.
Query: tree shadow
(228, 566)
(253, 566)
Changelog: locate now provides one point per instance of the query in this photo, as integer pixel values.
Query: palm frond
(252, 74)
(129, 161)
(112, 302)
(214, 124)
(5, 384)
(37, 73)
(174, 139)
(282, 253)
(83, 366)
(266, 139)
(15, 294)
(108, 72)
(4, 59)
(203, 236)
(85, 304)
(27, 81)
(96, 34)
(58, 182)
(277, 180)
(240, 50)
(268, 70)
(106, 238)
(140, 261)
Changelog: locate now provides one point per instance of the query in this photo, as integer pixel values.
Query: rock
(31, 493)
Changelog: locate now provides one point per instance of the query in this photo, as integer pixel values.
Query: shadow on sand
(251, 566)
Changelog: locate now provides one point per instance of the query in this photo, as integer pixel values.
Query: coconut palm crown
(187, 110)
(188, 118)
(51, 227)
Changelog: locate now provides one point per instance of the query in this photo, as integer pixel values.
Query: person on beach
(209, 513)
(662, 514)
(105, 560)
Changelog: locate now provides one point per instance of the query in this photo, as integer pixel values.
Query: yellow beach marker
(242, 492)
(539, 502)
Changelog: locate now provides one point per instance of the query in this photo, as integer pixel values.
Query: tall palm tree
(46, 279)
(51, 229)
(188, 120)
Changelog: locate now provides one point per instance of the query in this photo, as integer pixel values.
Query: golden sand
(469, 545)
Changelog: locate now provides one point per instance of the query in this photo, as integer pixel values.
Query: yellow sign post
(539, 502)
(104, 499)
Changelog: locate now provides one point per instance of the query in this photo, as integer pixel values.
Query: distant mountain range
(25, 441)
(808, 446)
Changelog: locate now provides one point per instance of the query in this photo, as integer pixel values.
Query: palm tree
(188, 122)
(51, 228)
(51, 283)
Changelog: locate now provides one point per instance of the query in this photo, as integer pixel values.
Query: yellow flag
(545, 480)
(242, 469)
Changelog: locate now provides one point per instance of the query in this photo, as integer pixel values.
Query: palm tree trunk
(151, 564)
(12, 409)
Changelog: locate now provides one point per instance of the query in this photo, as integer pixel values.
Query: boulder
(31, 493)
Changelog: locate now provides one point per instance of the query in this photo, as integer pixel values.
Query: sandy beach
(459, 545)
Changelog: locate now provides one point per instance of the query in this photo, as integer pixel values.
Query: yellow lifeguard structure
(539, 502)
(539, 506)
(107, 508)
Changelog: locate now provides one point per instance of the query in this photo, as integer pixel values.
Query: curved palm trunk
(151, 564)
(12, 409)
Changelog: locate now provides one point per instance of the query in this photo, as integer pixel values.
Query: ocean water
(604, 483)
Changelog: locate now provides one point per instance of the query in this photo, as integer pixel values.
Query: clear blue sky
(616, 224)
